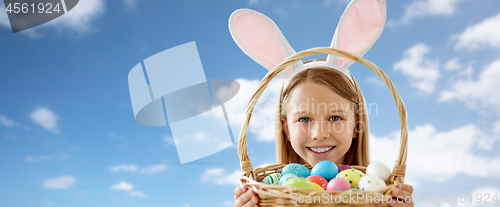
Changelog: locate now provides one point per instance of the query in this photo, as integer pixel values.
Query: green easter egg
(286, 177)
(299, 183)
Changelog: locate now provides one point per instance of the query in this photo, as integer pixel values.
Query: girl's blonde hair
(340, 84)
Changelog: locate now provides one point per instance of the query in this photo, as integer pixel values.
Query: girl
(321, 113)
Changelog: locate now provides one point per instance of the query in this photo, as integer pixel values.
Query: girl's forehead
(309, 96)
(315, 93)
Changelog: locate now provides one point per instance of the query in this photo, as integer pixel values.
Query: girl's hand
(400, 193)
(244, 197)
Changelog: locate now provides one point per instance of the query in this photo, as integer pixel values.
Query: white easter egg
(379, 169)
(370, 183)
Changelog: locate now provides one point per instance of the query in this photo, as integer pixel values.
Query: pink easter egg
(338, 184)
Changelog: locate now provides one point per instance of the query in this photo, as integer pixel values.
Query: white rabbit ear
(259, 37)
(359, 28)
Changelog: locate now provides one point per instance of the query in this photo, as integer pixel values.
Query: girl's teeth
(320, 150)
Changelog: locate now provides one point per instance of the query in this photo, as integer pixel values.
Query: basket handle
(398, 172)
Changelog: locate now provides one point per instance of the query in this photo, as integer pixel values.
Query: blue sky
(68, 135)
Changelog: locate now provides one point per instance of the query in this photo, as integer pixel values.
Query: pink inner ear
(260, 39)
(360, 27)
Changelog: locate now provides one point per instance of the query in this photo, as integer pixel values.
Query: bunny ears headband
(258, 36)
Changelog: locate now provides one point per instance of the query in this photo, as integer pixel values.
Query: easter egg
(299, 183)
(352, 190)
(352, 175)
(338, 184)
(297, 169)
(318, 187)
(326, 169)
(273, 179)
(378, 169)
(370, 182)
(286, 177)
(318, 180)
(344, 167)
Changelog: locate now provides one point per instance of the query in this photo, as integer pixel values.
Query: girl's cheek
(339, 126)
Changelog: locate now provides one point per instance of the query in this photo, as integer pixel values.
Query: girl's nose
(320, 130)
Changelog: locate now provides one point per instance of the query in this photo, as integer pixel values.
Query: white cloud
(59, 156)
(133, 168)
(45, 118)
(186, 205)
(137, 194)
(168, 140)
(218, 176)
(80, 19)
(481, 193)
(480, 94)
(423, 8)
(263, 118)
(496, 128)
(374, 79)
(453, 64)
(123, 186)
(6, 121)
(131, 4)
(483, 34)
(227, 203)
(421, 71)
(439, 156)
(154, 169)
(63, 182)
(115, 136)
(282, 12)
(124, 168)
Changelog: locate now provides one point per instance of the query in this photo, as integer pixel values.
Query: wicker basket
(274, 195)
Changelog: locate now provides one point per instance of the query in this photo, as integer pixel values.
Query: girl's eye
(335, 118)
(304, 119)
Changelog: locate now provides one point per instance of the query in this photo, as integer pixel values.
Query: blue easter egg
(297, 169)
(326, 169)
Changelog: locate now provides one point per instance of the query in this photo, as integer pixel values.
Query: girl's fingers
(401, 194)
(239, 190)
(247, 199)
(253, 201)
(408, 188)
(242, 199)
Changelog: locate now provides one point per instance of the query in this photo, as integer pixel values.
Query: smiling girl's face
(319, 123)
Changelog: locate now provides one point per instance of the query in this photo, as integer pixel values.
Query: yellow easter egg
(318, 187)
(352, 175)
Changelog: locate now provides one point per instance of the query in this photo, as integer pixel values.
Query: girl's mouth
(320, 150)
